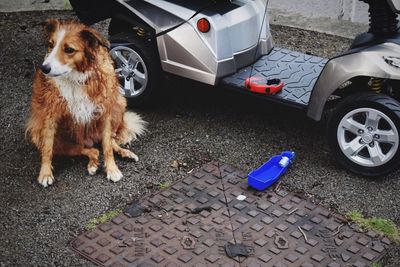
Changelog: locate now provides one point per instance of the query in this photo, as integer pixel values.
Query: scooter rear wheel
(137, 66)
(363, 133)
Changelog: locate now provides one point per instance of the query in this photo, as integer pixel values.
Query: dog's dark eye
(69, 50)
(50, 45)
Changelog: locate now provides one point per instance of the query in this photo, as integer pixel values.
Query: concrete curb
(341, 28)
(277, 16)
(33, 5)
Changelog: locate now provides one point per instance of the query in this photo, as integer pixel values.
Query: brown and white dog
(76, 102)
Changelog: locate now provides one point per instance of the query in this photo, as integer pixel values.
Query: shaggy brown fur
(53, 126)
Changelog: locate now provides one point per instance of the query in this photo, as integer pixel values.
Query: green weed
(102, 219)
(382, 226)
(164, 185)
(67, 5)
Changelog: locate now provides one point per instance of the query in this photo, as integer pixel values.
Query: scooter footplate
(298, 71)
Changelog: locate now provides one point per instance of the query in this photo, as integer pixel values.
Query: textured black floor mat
(298, 71)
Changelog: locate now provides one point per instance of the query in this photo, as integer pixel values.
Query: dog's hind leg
(93, 155)
(125, 153)
(79, 150)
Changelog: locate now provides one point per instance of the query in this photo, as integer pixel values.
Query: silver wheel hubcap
(131, 71)
(368, 137)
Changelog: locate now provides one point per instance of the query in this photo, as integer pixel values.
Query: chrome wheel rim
(131, 71)
(368, 137)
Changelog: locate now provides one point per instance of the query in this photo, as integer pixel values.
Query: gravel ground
(194, 124)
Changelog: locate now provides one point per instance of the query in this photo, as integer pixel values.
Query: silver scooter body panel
(234, 40)
(371, 62)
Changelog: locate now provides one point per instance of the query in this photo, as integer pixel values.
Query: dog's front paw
(114, 175)
(46, 179)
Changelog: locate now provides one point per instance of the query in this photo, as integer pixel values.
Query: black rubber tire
(389, 106)
(148, 52)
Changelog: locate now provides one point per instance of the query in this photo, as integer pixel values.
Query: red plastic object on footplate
(257, 85)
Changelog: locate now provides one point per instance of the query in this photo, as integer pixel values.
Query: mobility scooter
(228, 43)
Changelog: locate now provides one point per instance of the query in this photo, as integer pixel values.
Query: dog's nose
(46, 68)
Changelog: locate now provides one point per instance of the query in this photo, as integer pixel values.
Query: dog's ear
(50, 26)
(94, 39)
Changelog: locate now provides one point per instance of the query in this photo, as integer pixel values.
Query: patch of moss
(67, 5)
(102, 219)
(164, 185)
(382, 226)
(376, 264)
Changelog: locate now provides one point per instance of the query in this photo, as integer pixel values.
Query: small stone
(175, 164)
(241, 197)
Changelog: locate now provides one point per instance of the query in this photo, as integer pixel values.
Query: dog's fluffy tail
(133, 126)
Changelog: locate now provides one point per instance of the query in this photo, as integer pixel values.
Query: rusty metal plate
(203, 218)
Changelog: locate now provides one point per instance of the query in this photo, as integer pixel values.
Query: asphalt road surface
(193, 124)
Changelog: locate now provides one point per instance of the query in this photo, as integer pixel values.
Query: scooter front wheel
(363, 133)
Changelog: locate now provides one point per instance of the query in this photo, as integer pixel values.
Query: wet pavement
(192, 125)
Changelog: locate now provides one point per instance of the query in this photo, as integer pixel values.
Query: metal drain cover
(198, 220)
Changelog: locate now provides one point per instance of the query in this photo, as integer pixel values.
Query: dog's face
(71, 47)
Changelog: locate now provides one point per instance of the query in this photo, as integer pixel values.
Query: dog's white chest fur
(79, 104)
